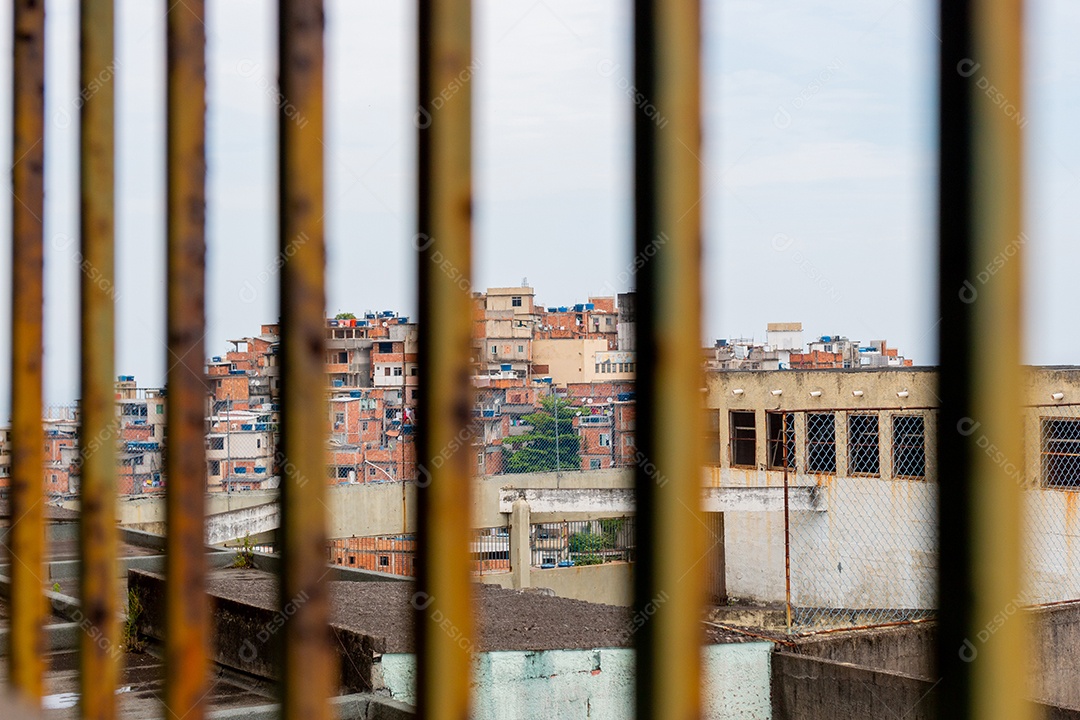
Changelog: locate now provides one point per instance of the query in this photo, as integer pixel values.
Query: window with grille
(1061, 452)
(780, 436)
(909, 446)
(743, 439)
(863, 458)
(820, 443)
(515, 301)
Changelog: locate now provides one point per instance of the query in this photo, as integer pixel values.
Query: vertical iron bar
(309, 672)
(98, 537)
(787, 540)
(27, 548)
(186, 610)
(667, 176)
(980, 509)
(444, 217)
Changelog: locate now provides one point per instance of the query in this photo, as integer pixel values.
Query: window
(515, 301)
(909, 446)
(258, 443)
(780, 436)
(594, 463)
(605, 440)
(386, 371)
(352, 559)
(160, 409)
(493, 351)
(413, 371)
(863, 445)
(215, 467)
(521, 348)
(743, 439)
(1061, 452)
(363, 427)
(384, 561)
(820, 443)
(397, 372)
(712, 437)
(339, 419)
(217, 443)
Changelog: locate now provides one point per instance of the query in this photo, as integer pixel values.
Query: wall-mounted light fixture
(857, 393)
(815, 393)
(902, 394)
(777, 392)
(737, 391)
(1058, 396)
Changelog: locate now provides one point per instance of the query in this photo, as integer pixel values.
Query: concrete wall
(808, 688)
(593, 684)
(608, 584)
(376, 508)
(874, 547)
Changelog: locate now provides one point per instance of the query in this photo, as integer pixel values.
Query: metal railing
(980, 216)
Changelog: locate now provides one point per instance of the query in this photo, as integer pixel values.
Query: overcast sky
(819, 168)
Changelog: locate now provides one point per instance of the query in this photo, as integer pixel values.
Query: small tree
(552, 443)
(344, 316)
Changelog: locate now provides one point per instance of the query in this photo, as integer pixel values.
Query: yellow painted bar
(999, 673)
(444, 221)
(98, 536)
(187, 615)
(309, 672)
(27, 545)
(669, 581)
(982, 644)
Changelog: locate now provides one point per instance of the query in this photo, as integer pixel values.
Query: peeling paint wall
(594, 684)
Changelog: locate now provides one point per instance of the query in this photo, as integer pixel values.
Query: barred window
(743, 438)
(820, 443)
(863, 445)
(909, 446)
(1061, 452)
(780, 437)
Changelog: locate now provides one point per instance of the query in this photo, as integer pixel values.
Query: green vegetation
(538, 450)
(245, 556)
(344, 316)
(129, 632)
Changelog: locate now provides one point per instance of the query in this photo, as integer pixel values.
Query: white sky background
(819, 168)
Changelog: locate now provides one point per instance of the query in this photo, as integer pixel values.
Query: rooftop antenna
(524, 282)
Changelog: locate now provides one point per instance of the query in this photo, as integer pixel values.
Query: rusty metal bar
(444, 220)
(980, 220)
(27, 548)
(309, 671)
(98, 432)
(669, 588)
(787, 533)
(187, 613)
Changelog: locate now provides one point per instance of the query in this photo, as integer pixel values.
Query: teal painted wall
(594, 684)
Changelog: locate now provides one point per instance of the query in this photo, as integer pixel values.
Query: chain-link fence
(863, 549)
(860, 520)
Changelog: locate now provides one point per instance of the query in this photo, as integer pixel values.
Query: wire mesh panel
(1051, 476)
(586, 542)
(864, 553)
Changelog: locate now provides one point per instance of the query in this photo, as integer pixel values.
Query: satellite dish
(385, 324)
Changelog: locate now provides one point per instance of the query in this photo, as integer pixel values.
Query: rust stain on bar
(444, 207)
(309, 671)
(98, 536)
(186, 610)
(27, 548)
(667, 145)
